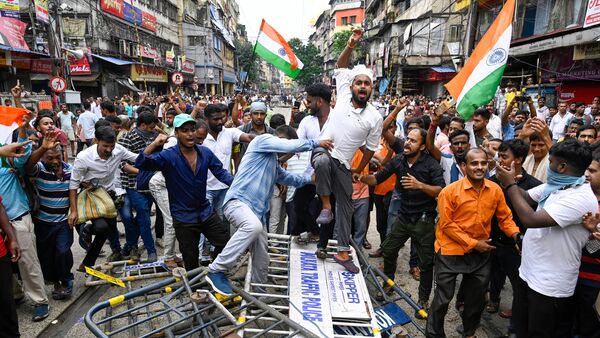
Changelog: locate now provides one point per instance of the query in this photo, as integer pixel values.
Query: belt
(16, 219)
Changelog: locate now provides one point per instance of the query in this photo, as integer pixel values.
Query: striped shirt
(53, 193)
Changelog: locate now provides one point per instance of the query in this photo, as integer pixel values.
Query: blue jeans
(216, 199)
(140, 225)
(53, 241)
(359, 220)
(392, 214)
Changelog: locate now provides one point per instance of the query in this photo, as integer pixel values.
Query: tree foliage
(340, 39)
(312, 60)
(244, 51)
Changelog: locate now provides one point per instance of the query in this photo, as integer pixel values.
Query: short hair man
(462, 244)
(552, 245)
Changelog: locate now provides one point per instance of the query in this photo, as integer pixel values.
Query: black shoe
(85, 236)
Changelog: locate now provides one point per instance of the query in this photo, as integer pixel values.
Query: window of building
(216, 42)
(344, 21)
(455, 33)
(353, 19)
(196, 40)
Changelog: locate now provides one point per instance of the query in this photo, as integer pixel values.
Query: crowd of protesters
(511, 192)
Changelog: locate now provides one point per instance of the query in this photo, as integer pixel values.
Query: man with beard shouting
(353, 123)
(420, 180)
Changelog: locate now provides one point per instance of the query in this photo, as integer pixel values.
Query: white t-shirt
(66, 120)
(87, 121)
(494, 126)
(350, 127)
(558, 124)
(543, 113)
(221, 147)
(309, 129)
(551, 256)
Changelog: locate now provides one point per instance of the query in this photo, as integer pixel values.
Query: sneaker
(115, 256)
(134, 255)
(59, 292)
(40, 312)
(68, 287)
(152, 257)
(85, 237)
(325, 217)
(219, 283)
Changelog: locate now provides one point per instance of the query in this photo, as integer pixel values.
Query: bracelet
(509, 186)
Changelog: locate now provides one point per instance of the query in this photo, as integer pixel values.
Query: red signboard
(114, 7)
(148, 52)
(20, 60)
(189, 66)
(13, 31)
(148, 21)
(79, 66)
(41, 66)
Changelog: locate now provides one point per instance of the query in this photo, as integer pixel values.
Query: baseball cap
(181, 119)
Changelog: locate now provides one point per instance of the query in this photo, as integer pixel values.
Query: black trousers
(536, 315)
(188, 236)
(587, 323)
(99, 228)
(382, 207)
(475, 269)
(9, 324)
(306, 207)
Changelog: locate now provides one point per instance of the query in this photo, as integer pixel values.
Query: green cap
(181, 119)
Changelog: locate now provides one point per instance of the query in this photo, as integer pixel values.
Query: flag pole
(252, 58)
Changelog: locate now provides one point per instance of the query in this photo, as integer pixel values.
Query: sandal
(301, 240)
(348, 264)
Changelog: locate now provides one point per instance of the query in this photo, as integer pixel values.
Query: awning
(229, 77)
(118, 62)
(39, 77)
(12, 49)
(443, 69)
(127, 83)
(85, 78)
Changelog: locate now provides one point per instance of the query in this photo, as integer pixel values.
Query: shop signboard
(9, 8)
(592, 15)
(41, 66)
(13, 31)
(148, 73)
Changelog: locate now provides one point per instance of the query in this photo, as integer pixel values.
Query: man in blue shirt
(185, 168)
(248, 199)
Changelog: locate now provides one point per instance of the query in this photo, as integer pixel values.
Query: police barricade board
(323, 292)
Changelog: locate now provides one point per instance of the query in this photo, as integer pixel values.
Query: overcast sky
(289, 17)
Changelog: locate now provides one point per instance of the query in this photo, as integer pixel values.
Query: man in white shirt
(95, 107)
(542, 110)
(97, 166)
(318, 100)
(67, 120)
(551, 250)
(220, 140)
(86, 124)
(353, 123)
(559, 122)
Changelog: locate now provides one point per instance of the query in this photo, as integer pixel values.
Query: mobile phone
(297, 104)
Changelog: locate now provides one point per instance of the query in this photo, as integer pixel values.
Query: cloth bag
(95, 202)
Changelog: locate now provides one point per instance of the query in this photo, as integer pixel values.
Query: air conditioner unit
(134, 49)
(123, 47)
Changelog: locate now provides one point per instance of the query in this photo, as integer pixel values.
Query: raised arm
(344, 59)
(506, 115)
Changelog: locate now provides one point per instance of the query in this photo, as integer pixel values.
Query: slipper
(348, 264)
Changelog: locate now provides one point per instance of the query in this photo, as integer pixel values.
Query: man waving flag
(272, 47)
(475, 85)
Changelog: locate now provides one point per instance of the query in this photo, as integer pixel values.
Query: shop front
(150, 78)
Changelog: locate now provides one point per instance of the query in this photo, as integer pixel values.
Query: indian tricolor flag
(476, 84)
(272, 47)
(10, 119)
